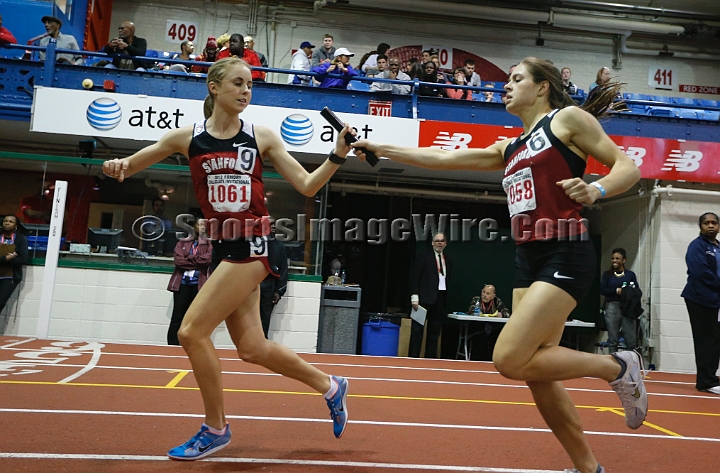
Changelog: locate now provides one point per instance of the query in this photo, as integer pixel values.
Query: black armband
(334, 158)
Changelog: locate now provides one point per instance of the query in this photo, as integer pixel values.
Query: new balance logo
(688, 161)
(449, 143)
(635, 153)
(557, 275)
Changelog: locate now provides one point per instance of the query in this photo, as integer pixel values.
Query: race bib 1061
(229, 192)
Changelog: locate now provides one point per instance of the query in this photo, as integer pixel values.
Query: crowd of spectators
(327, 62)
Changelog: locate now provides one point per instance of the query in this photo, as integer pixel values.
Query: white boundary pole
(51, 258)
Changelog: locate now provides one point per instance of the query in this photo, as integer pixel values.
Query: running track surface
(91, 407)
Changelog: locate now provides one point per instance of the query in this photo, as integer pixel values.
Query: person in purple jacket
(192, 268)
(702, 298)
(340, 65)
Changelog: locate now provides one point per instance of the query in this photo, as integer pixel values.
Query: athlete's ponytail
(601, 101)
(217, 73)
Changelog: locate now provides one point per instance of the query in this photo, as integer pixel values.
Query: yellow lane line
(364, 396)
(646, 423)
(177, 379)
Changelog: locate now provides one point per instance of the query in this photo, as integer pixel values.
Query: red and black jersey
(227, 176)
(539, 208)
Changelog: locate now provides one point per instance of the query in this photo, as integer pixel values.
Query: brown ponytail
(217, 73)
(601, 101)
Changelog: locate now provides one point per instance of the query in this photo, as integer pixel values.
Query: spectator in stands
(393, 72)
(222, 42)
(250, 44)
(339, 65)
(186, 50)
(324, 55)
(6, 37)
(301, 62)
(569, 87)
(13, 254)
(459, 79)
(416, 70)
(442, 77)
(193, 258)
(430, 74)
(471, 77)
(488, 96)
(129, 44)
(237, 49)
(208, 55)
(64, 41)
(369, 66)
(603, 76)
(426, 54)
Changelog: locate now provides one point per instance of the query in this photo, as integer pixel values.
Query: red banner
(700, 89)
(657, 158)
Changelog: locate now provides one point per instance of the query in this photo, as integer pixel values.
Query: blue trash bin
(380, 338)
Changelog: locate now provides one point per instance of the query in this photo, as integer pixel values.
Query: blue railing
(18, 78)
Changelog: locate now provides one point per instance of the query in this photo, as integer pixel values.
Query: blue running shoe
(201, 445)
(338, 408)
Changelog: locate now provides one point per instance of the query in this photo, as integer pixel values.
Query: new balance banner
(657, 158)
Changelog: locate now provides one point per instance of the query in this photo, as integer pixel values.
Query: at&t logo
(104, 114)
(297, 130)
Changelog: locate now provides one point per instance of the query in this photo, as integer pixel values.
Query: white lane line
(273, 461)
(16, 343)
(359, 422)
(91, 364)
(390, 380)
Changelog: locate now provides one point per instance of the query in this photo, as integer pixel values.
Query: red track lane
(435, 402)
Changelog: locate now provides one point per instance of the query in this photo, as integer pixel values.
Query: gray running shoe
(631, 388)
(600, 469)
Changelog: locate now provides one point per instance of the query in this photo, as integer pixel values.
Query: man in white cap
(64, 41)
(340, 66)
(301, 62)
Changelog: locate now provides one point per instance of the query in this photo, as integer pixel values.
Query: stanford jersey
(539, 208)
(227, 175)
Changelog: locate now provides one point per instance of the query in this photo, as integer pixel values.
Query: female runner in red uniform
(543, 179)
(225, 155)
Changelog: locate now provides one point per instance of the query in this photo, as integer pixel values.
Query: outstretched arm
(307, 183)
(585, 133)
(176, 141)
(488, 159)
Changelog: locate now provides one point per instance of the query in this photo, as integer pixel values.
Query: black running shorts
(569, 265)
(257, 248)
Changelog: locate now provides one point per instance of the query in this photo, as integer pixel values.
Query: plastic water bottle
(342, 277)
(476, 310)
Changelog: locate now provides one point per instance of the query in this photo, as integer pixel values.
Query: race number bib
(229, 192)
(520, 190)
(258, 246)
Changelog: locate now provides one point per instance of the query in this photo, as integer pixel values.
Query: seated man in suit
(429, 289)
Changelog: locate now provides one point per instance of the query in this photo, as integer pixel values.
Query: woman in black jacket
(702, 298)
(13, 254)
(430, 74)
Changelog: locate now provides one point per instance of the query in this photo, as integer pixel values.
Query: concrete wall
(656, 232)
(122, 306)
